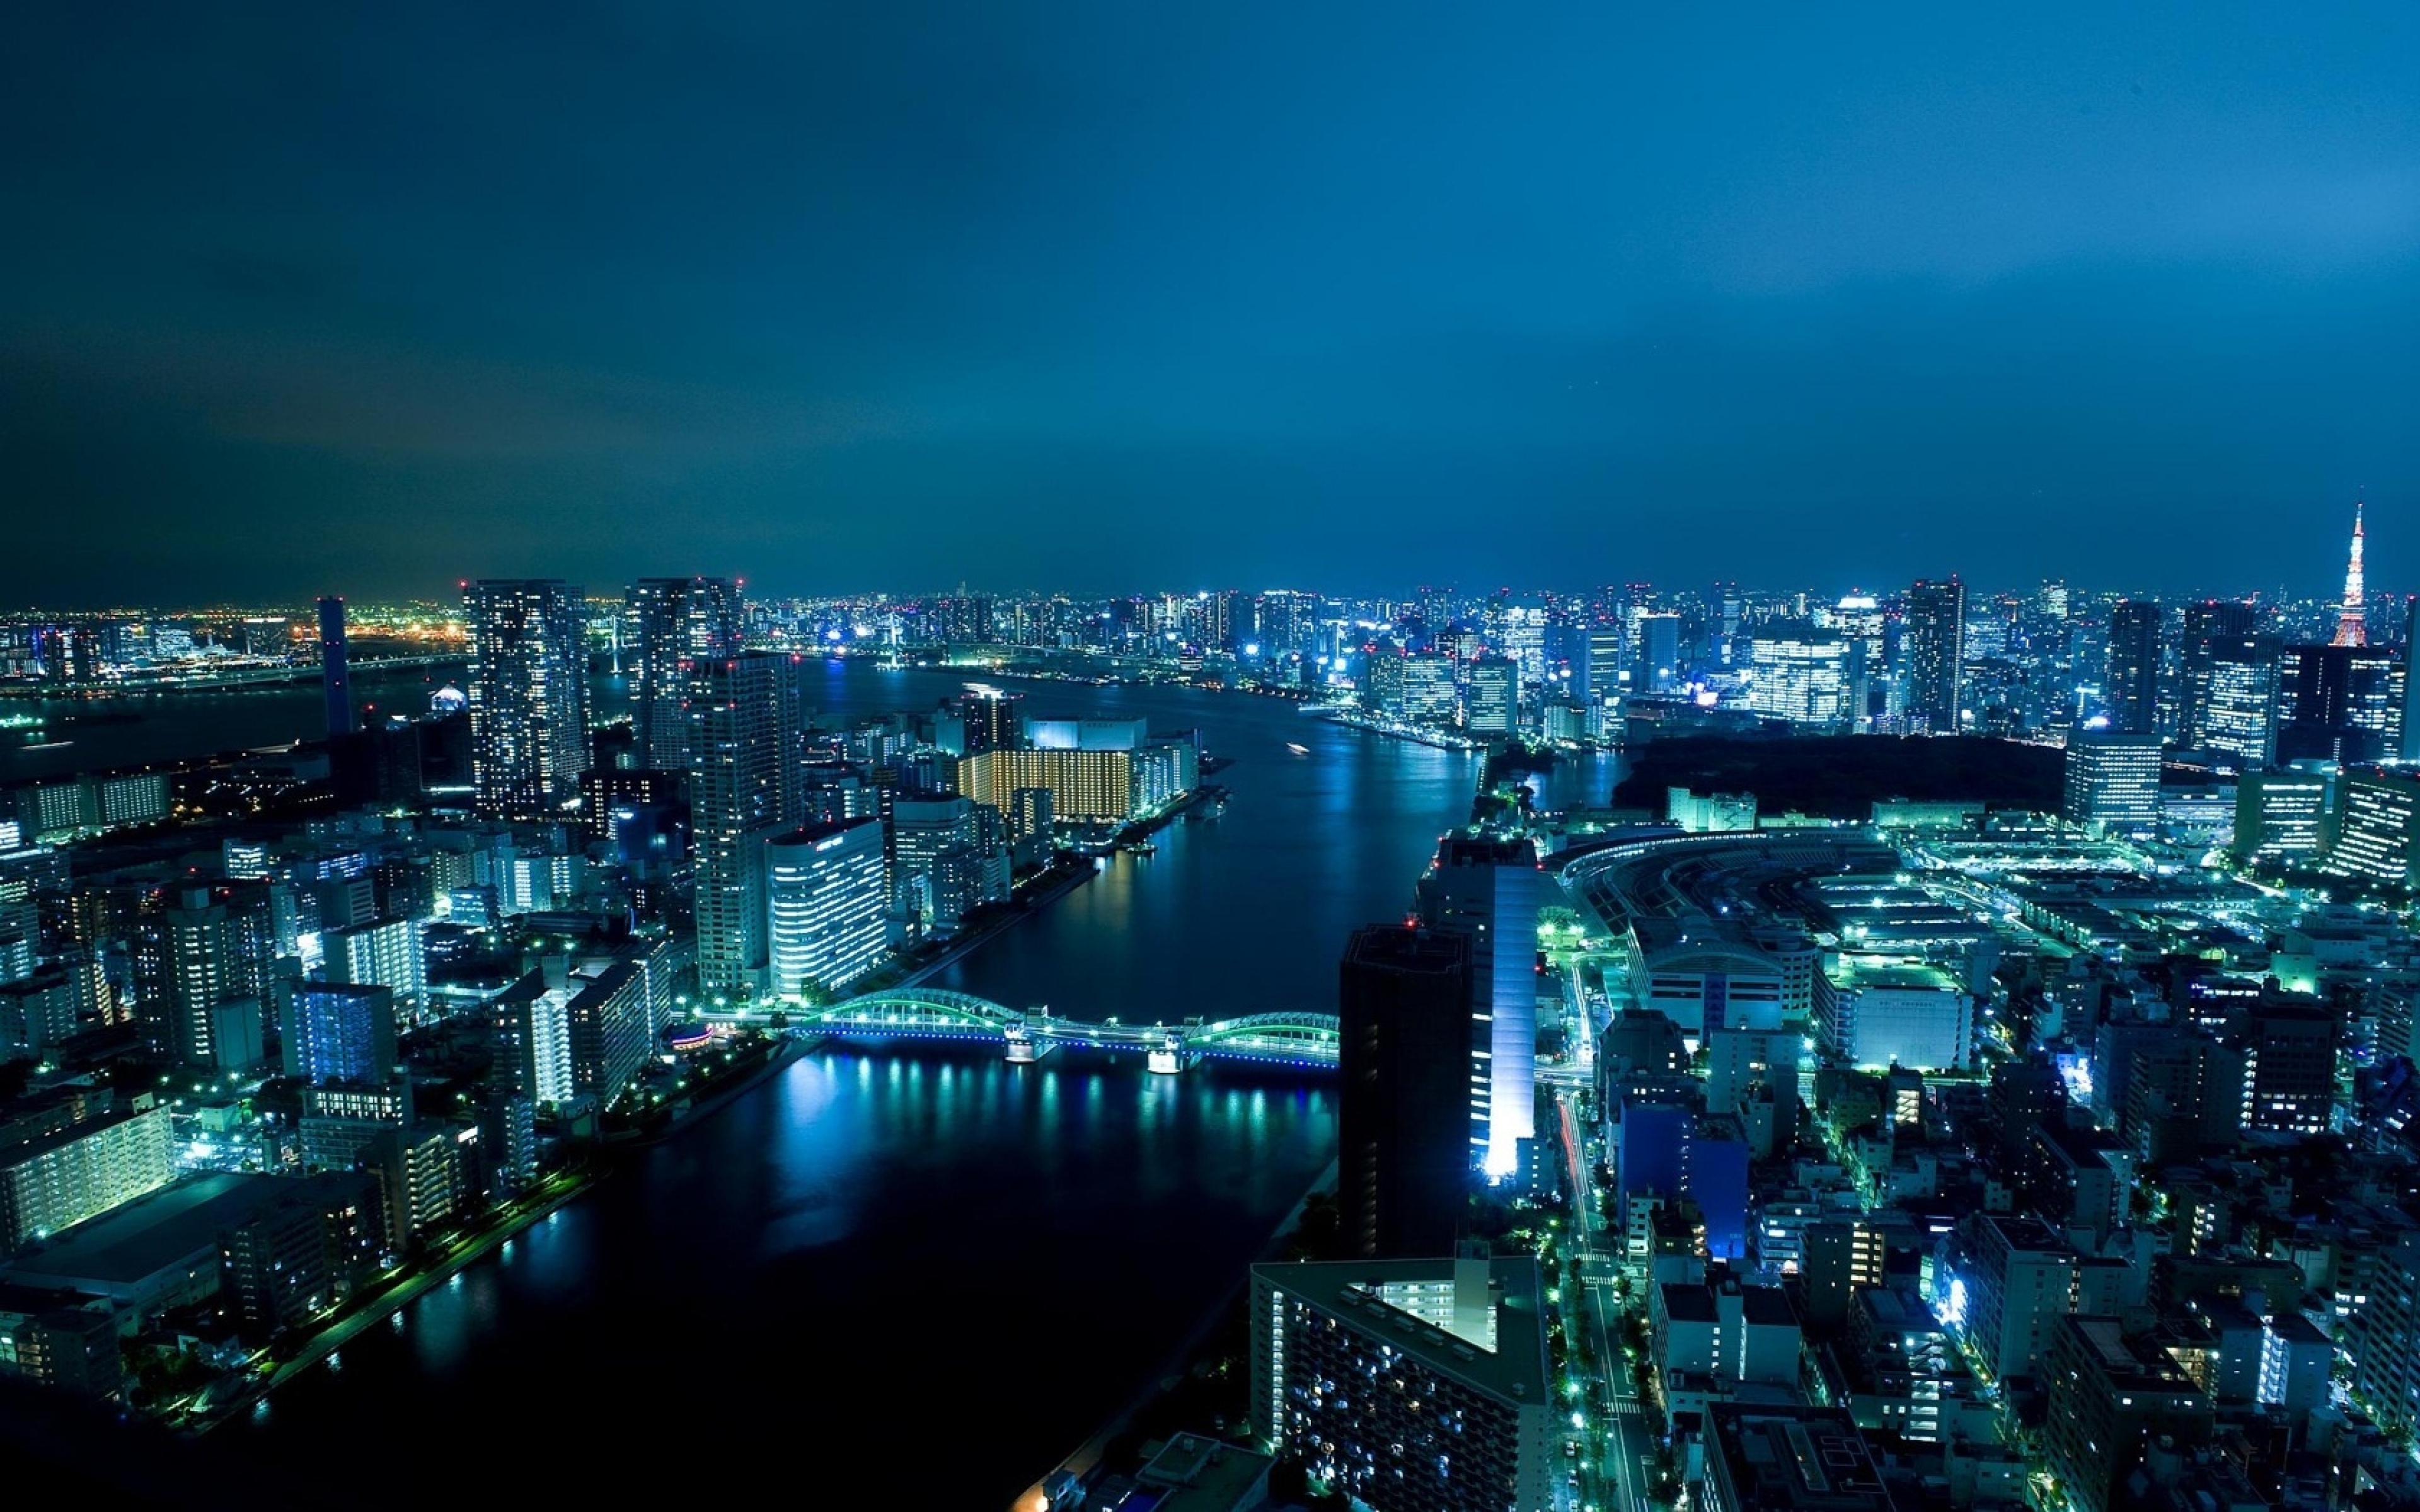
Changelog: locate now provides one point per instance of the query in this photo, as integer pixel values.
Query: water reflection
(878, 1220)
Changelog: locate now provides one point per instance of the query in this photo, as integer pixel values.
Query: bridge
(1299, 1040)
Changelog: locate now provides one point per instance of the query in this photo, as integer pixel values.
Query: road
(1628, 1470)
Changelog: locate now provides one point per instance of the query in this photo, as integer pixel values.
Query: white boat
(1299, 751)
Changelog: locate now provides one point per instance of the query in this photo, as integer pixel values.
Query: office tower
(339, 1033)
(2133, 685)
(66, 1175)
(1413, 1386)
(1935, 635)
(2281, 818)
(2110, 1397)
(2378, 830)
(1607, 657)
(746, 784)
(1428, 690)
(1492, 891)
(606, 1024)
(2338, 703)
(675, 626)
(1659, 651)
(529, 695)
(826, 904)
(2112, 782)
(2235, 712)
(1405, 1085)
(2352, 628)
(1799, 673)
(1494, 704)
(921, 830)
(2213, 627)
(333, 672)
(1382, 680)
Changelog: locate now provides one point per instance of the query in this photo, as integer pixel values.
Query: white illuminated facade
(1800, 673)
(825, 899)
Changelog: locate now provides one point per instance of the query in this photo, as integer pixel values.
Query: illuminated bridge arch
(909, 1009)
(1268, 1037)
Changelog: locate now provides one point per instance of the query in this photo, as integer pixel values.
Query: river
(925, 1272)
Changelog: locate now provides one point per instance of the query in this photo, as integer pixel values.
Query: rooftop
(148, 1235)
(1515, 1369)
(1779, 1460)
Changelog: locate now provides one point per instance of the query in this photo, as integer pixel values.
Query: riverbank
(776, 1057)
(1042, 890)
(1085, 1463)
(1396, 730)
(398, 1294)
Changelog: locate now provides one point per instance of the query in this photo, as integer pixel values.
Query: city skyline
(1080, 296)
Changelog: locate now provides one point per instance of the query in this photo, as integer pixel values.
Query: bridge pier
(1169, 1057)
(1026, 1048)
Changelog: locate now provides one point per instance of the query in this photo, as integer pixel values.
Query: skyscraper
(1799, 673)
(2133, 686)
(1936, 650)
(2215, 629)
(1491, 890)
(1495, 697)
(826, 904)
(2112, 782)
(676, 624)
(529, 695)
(1405, 1085)
(333, 670)
(746, 783)
(2339, 703)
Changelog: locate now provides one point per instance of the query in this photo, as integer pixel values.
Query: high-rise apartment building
(675, 626)
(64, 1177)
(2110, 1397)
(529, 695)
(1414, 1386)
(339, 1033)
(1935, 650)
(1405, 1083)
(2133, 685)
(747, 783)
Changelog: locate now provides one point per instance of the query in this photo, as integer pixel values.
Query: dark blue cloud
(1096, 296)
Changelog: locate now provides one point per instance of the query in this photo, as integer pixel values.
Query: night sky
(368, 298)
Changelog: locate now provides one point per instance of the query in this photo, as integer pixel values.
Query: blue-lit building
(1492, 891)
(339, 1033)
